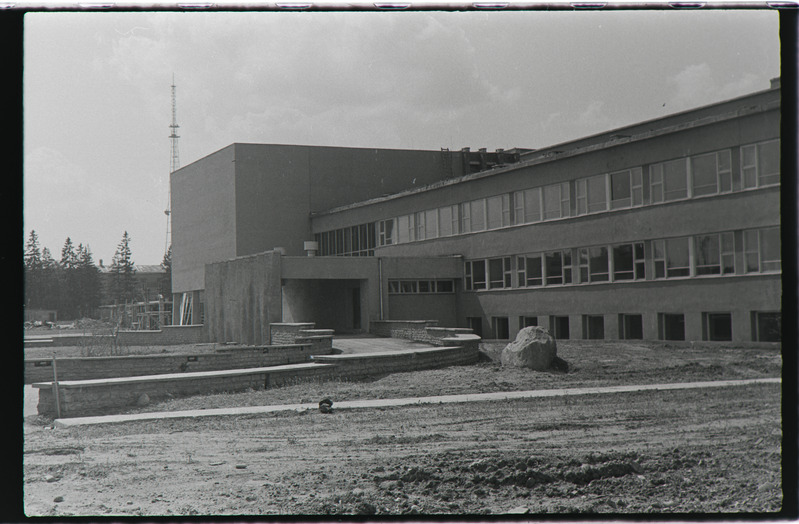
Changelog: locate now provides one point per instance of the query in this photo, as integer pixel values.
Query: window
(714, 254)
(500, 328)
(499, 273)
(385, 232)
(762, 250)
(420, 286)
(593, 327)
(527, 206)
(445, 221)
(476, 325)
(477, 208)
(671, 326)
(527, 322)
(529, 271)
(556, 201)
(711, 173)
(594, 264)
(404, 229)
(668, 181)
(465, 218)
(431, 223)
(498, 209)
(760, 164)
(591, 194)
(716, 326)
(628, 262)
(631, 327)
(558, 267)
(559, 327)
(626, 188)
(671, 257)
(419, 229)
(475, 277)
(766, 326)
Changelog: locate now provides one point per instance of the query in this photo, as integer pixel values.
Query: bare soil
(705, 450)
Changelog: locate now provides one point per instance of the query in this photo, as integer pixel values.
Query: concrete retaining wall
(417, 330)
(87, 397)
(84, 368)
(91, 397)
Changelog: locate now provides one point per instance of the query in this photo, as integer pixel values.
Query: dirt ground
(705, 450)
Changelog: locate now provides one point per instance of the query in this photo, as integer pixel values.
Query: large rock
(533, 348)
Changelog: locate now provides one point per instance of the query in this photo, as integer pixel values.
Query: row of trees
(73, 285)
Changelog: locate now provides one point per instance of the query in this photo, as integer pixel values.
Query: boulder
(533, 348)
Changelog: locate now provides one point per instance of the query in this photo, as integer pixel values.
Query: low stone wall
(287, 333)
(166, 336)
(103, 396)
(87, 397)
(417, 330)
(84, 368)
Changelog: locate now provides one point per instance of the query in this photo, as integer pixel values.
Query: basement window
(631, 327)
(716, 326)
(593, 327)
(671, 326)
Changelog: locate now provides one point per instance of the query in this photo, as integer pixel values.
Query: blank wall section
(242, 298)
(203, 218)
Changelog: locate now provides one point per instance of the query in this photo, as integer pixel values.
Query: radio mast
(174, 164)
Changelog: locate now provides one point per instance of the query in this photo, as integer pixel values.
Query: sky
(97, 92)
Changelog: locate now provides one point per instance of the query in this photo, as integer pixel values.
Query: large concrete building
(666, 230)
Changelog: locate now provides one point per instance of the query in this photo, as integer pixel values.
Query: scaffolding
(150, 315)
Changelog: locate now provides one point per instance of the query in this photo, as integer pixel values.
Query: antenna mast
(174, 164)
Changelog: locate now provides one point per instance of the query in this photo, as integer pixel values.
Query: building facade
(664, 230)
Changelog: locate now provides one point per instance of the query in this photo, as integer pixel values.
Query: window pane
(554, 268)
(769, 163)
(675, 180)
(703, 169)
(534, 273)
(623, 262)
(620, 189)
(445, 221)
(494, 205)
(770, 258)
(532, 205)
(656, 183)
(431, 223)
(598, 264)
(706, 253)
(445, 286)
(402, 229)
(478, 214)
(424, 286)
(677, 263)
(552, 202)
(596, 194)
(495, 273)
(479, 274)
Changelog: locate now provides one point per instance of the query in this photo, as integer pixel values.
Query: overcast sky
(97, 104)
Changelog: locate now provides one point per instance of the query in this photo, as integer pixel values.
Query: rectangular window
(558, 267)
(476, 325)
(527, 322)
(767, 326)
(598, 268)
(393, 287)
(475, 275)
(499, 273)
(620, 190)
(659, 258)
(419, 230)
(527, 206)
(498, 208)
(386, 232)
(445, 286)
(559, 327)
(714, 254)
(477, 208)
(760, 164)
(445, 221)
(431, 223)
(623, 264)
(593, 327)
(529, 271)
(716, 326)
(500, 328)
(678, 262)
(408, 286)
(762, 250)
(403, 229)
(465, 218)
(671, 326)
(556, 201)
(631, 327)
(597, 193)
(711, 174)
(420, 286)
(669, 181)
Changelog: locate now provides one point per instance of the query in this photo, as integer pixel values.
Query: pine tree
(33, 272)
(88, 278)
(124, 283)
(165, 288)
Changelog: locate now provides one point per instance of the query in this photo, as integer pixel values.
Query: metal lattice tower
(174, 164)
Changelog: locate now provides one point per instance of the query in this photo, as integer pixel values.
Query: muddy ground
(712, 450)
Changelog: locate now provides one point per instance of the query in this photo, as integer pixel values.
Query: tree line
(73, 285)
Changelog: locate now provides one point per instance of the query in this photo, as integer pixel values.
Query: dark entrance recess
(476, 325)
(356, 308)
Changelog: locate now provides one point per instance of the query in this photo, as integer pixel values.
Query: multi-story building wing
(666, 230)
